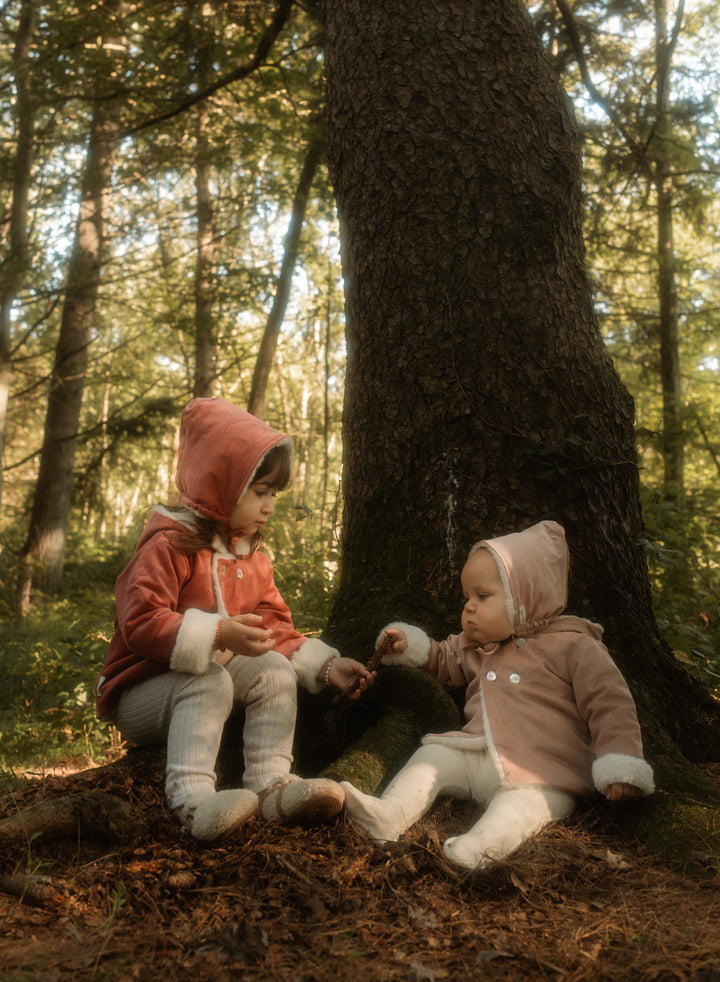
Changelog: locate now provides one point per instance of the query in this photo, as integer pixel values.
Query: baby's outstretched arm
(622, 792)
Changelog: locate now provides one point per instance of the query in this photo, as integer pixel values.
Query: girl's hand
(350, 677)
(622, 792)
(243, 634)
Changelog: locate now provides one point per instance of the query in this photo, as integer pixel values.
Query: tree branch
(282, 12)
(576, 46)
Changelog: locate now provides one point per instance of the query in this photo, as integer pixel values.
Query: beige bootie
(208, 816)
(301, 801)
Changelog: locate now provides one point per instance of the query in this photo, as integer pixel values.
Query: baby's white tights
(512, 814)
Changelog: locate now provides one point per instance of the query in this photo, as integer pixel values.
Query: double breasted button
(239, 573)
(491, 676)
(222, 570)
(514, 678)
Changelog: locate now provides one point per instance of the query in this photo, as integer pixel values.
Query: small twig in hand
(384, 647)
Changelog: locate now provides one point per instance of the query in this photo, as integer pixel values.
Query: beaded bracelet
(327, 670)
(218, 639)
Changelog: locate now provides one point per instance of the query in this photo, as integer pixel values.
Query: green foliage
(683, 549)
(48, 664)
(47, 709)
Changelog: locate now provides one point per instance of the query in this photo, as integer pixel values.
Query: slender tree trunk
(43, 555)
(266, 352)
(204, 381)
(479, 396)
(673, 426)
(18, 255)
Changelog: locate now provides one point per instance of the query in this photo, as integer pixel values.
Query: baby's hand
(622, 792)
(244, 635)
(399, 637)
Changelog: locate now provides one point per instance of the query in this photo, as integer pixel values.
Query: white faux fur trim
(308, 660)
(622, 769)
(194, 645)
(417, 653)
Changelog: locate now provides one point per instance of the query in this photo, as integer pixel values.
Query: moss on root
(681, 821)
(678, 829)
(379, 754)
(414, 691)
(410, 703)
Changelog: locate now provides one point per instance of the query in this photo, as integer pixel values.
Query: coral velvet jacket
(169, 604)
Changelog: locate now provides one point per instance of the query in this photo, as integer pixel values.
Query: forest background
(168, 230)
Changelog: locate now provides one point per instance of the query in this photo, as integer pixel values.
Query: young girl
(201, 629)
(549, 716)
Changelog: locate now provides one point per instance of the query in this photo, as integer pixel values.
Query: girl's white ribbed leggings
(189, 712)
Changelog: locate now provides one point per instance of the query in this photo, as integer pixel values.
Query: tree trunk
(661, 149)
(204, 381)
(479, 396)
(43, 554)
(18, 255)
(266, 352)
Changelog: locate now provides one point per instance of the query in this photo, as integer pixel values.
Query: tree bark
(479, 396)
(204, 381)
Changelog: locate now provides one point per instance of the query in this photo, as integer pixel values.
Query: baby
(549, 717)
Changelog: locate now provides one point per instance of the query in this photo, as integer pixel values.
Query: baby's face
(484, 617)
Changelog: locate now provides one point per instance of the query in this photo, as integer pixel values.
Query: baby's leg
(512, 816)
(431, 771)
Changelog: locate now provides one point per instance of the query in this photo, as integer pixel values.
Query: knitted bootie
(467, 852)
(208, 816)
(302, 802)
(383, 820)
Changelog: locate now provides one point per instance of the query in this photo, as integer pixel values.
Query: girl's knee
(214, 687)
(277, 675)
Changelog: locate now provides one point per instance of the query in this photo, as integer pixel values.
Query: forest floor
(274, 902)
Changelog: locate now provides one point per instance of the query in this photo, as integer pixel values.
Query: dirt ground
(297, 905)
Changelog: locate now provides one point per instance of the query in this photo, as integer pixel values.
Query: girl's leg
(188, 712)
(512, 816)
(431, 771)
(267, 687)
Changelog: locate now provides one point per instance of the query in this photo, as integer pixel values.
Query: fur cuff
(622, 769)
(308, 660)
(195, 642)
(417, 652)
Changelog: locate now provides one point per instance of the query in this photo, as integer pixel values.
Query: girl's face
(256, 506)
(484, 617)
